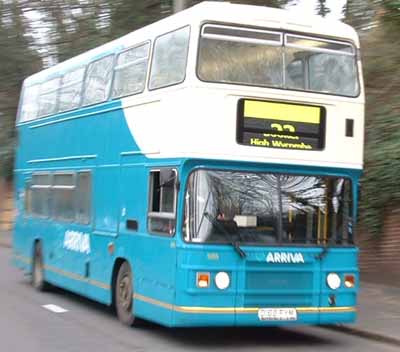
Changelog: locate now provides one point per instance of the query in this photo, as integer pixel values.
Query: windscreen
(271, 59)
(267, 208)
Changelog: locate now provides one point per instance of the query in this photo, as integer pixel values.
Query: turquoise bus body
(97, 139)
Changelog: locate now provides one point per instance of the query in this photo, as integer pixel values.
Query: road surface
(26, 325)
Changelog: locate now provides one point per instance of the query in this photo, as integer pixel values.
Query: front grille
(278, 287)
(278, 281)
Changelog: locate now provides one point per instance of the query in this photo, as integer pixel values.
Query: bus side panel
(23, 232)
(105, 208)
(100, 267)
(64, 267)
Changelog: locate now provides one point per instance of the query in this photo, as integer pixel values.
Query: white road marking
(55, 309)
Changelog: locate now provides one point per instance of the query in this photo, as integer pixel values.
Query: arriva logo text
(77, 242)
(282, 257)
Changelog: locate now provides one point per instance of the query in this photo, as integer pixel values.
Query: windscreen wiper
(323, 253)
(202, 215)
(235, 244)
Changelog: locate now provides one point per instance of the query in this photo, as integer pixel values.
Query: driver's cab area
(267, 208)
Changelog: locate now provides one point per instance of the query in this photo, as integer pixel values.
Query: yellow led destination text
(282, 125)
(279, 144)
(282, 112)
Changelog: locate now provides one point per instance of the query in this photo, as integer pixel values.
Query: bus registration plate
(277, 314)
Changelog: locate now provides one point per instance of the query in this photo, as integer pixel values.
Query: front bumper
(201, 316)
(196, 316)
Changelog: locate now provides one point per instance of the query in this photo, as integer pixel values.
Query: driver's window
(162, 201)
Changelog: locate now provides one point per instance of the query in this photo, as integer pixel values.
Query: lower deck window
(83, 197)
(39, 195)
(61, 196)
(40, 201)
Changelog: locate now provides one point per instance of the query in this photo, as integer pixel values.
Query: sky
(308, 6)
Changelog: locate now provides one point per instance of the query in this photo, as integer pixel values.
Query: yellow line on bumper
(238, 310)
(77, 277)
(187, 309)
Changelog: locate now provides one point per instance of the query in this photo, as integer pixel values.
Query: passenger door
(148, 215)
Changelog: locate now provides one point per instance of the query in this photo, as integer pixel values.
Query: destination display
(280, 125)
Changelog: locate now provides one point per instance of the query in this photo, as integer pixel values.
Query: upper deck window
(321, 66)
(243, 56)
(48, 97)
(71, 90)
(29, 106)
(98, 80)
(271, 59)
(131, 70)
(170, 58)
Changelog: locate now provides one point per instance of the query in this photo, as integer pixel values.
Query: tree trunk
(179, 5)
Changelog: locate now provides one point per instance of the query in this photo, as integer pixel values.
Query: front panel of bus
(268, 214)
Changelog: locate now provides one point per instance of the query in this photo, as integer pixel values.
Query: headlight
(222, 280)
(333, 281)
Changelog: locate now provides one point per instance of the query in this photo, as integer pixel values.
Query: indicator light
(349, 281)
(203, 280)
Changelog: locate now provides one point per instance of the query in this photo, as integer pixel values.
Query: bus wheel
(124, 295)
(38, 281)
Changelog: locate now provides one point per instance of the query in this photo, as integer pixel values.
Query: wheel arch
(35, 242)
(117, 264)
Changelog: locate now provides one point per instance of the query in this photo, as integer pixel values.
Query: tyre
(124, 295)
(38, 281)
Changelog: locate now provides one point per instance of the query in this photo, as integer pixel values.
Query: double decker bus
(200, 171)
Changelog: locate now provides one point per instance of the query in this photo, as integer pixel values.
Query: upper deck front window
(272, 59)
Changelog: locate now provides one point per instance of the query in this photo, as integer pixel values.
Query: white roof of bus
(210, 11)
